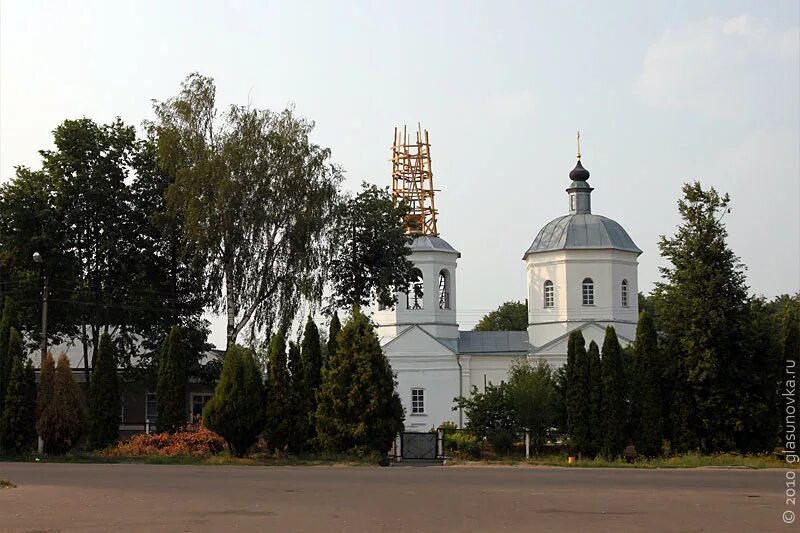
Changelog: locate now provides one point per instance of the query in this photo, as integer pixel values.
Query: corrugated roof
(427, 243)
(493, 342)
(582, 231)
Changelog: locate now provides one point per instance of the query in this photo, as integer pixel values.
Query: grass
(692, 460)
(221, 459)
(6, 484)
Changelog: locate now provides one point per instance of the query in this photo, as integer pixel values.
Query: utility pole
(37, 257)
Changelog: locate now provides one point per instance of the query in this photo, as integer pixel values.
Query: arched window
(624, 292)
(415, 291)
(588, 291)
(444, 289)
(549, 300)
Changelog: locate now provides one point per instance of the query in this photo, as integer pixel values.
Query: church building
(581, 274)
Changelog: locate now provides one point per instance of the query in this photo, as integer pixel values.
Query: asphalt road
(74, 497)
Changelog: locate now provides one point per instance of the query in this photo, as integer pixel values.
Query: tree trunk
(230, 304)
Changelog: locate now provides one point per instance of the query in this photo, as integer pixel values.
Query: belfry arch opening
(416, 291)
(444, 289)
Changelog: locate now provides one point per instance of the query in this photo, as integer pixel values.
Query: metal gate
(418, 445)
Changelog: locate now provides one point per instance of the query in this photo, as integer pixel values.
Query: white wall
(567, 269)
(440, 323)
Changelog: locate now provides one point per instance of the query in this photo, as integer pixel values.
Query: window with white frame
(549, 292)
(417, 401)
(199, 401)
(588, 291)
(624, 292)
(151, 408)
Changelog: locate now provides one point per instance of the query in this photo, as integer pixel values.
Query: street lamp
(37, 258)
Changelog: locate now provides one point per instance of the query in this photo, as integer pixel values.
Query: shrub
(462, 444)
(502, 441)
(61, 422)
(236, 412)
(202, 442)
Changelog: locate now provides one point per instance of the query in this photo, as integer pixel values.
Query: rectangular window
(548, 295)
(588, 292)
(151, 409)
(417, 401)
(198, 402)
(624, 295)
(122, 409)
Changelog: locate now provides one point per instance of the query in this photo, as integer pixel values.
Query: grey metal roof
(493, 342)
(428, 243)
(582, 231)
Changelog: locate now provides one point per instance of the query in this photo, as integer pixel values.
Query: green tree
(17, 423)
(297, 413)
(648, 374)
(333, 333)
(371, 262)
(257, 199)
(577, 393)
(511, 316)
(614, 407)
(171, 385)
(532, 391)
(61, 422)
(359, 409)
(790, 332)
(594, 410)
(236, 410)
(701, 308)
(311, 367)
(47, 378)
(490, 412)
(279, 412)
(7, 323)
(104, 397)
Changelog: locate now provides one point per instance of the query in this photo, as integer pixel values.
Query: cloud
(721, 67)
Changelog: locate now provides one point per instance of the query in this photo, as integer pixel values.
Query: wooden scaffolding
(412, 181)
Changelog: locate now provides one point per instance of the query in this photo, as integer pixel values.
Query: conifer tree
(17, 423)
(279, 420)
(359, 409)
(298, 436)
(104, 397)
(171, 385)
(614, 408)
(333, 331)
(61, 422)
(596, 422)
(44, 395)
(790, 332)
(236, 412)
(311, 356)
(7, 321)
(702, 310)
(578, 408)
(647, 386)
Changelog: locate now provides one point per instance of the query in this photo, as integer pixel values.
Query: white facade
(582, 274)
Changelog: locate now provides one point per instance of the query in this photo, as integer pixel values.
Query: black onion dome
(579, 173)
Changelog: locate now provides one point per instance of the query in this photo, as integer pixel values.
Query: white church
(581, 272)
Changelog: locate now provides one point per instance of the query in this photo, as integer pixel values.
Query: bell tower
(430, 301)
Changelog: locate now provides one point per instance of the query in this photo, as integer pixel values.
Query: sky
(662, 92)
